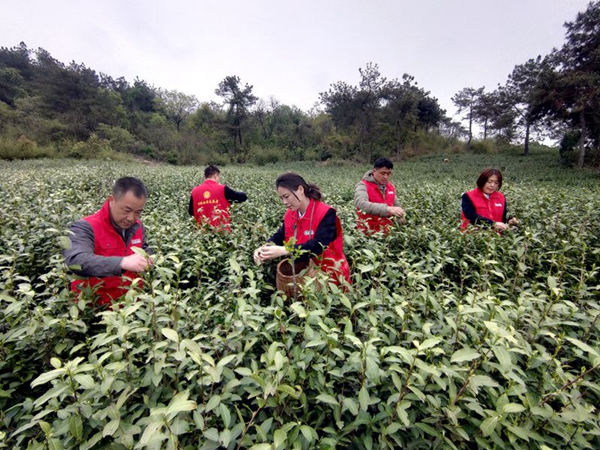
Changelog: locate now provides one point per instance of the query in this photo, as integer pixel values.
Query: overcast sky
(292, 50)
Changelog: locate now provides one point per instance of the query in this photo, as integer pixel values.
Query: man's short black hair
(211, 171)
(383, 162)
(123, 185)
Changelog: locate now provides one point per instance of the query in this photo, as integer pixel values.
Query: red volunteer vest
(370, 223)
(332, 260)
(492, 208)
(107, 242)
(210, 205)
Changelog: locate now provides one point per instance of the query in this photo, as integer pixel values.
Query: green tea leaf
(464, 354)
(170, 334)
(76, 427)
(111, 427)
(326, 398)
(513, 408)
(48, 376)
(488, 426)
(179, 403)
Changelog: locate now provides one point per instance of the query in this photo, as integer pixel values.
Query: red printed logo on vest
(206, 194)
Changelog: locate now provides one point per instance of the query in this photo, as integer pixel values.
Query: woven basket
(285, 276)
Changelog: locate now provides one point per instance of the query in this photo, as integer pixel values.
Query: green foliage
(177, 106)
(567, 147)
(260, 155)
(483, 146)
(55, 105)
(95, 148)
(444, 340)
(119, 139)
(238, 100)
(378, 114)
(426, 143)
(23, 148)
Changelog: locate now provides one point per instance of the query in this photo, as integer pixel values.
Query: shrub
(23, 148)
(118, 138)
(483, 147)
(95, 148)
(261, 156)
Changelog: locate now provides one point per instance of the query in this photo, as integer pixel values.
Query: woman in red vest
(312, 225)
(485, 205)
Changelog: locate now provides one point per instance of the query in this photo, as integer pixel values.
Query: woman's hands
(501, 226)
(269, 252)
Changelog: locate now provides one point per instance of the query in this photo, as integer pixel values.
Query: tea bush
(444, 340)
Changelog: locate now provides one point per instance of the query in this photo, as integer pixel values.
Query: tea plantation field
(445, 341)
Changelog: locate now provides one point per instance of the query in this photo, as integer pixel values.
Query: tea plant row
(444, 341)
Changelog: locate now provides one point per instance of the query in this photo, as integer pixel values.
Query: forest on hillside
(52, 109)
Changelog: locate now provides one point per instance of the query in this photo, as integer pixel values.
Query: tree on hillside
(140, 96)
(401, 110)
(12, 85)
(16, 70)
(429, 112)
(339, 103)
(238, 99)
(266, 113)
(380, 114)
(262, 113)
(354, 109)
(485, 110)
(208, 115)
(408, 108)
(451, 129)
(465, 100)
(72, 93)
(520, 95)
(289, 127)
(177, 106)
(577, 89)
(368, 103)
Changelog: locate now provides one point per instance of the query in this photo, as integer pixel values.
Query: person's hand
(269, 252)
(257, 256)
(135, 263)
(513, 221)
(500, 226)
(395, 211)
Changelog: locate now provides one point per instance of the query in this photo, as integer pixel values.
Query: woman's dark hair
(485, 176)
(292, 181)
(123, 185)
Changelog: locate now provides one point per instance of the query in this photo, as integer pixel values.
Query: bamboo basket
(284, 279)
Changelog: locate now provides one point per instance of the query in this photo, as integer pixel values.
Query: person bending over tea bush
(311, 225)
(486, 205)
(375, 199)
(209, 201)
(102, 244)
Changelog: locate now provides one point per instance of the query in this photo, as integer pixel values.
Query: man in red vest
(102, 244)
(375, 199)
(209, 202)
